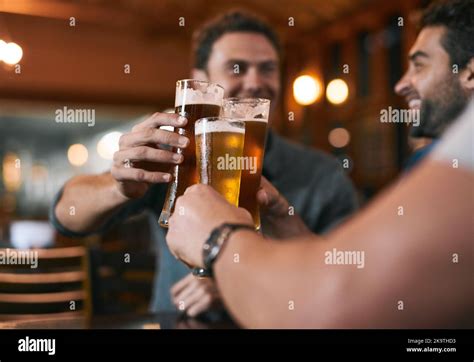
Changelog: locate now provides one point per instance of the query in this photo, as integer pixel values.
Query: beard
(438, 113)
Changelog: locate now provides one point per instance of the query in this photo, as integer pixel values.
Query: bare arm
(88, 201)
(408, 259)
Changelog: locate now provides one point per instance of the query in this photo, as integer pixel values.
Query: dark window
(393, 36)
(363, 55)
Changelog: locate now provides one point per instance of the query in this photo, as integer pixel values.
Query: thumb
(270, 199)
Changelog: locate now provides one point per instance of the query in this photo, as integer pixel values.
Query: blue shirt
(419, 155)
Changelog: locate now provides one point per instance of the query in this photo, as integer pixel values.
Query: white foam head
(251, 109)
(217, 126)
(201, 93)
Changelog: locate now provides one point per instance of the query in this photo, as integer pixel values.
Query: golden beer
(254, 112)
(254, 146)
(219, 155)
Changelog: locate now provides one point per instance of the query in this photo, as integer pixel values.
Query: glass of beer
(194, 99)
(219, 154)
(254, 112)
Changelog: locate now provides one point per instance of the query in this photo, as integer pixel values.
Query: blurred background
(122, 58)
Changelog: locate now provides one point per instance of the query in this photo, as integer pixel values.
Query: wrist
(115, 191)
(238, 252)
(217, 241)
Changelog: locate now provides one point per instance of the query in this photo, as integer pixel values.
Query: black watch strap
(214, 244)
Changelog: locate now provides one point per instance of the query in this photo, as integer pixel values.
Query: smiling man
(243, 54)
(441, 66)
(412, 275)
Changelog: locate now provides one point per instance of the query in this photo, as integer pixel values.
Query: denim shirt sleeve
(152, 199)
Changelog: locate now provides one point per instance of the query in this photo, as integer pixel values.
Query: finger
(273, 204)
(262, 197)
(152, 136)
(144, 153)
(246, 215)
(202, 189)
(267, 195)
(181, 284)
(270, 199)
(194, 188)
(266, 191)
(122, 174)
(206, 287)
(194, 297)
(184, 293)
(203, 304)
(161, 119)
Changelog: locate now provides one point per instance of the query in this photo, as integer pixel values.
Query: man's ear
(199, 74)
(466, 77)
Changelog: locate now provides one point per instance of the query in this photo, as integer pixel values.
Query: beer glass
(219, 151)
(254, 112)
(194, 99)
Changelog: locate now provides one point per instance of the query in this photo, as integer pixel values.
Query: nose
(403, 85)
(252, 81)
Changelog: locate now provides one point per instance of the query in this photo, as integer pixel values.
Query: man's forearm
(364, 272)
(263, 285)
(88, 201)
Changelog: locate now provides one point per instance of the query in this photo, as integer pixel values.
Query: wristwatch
(213, 245)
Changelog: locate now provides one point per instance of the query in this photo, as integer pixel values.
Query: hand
(195, 295)
(275, 211)
(141, 159)
(197, 213)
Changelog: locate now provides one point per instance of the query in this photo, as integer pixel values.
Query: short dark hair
(458, 17)
(232, 21)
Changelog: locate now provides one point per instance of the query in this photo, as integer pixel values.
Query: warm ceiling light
(306, 90)
(12, 53)
(337, 91)
(339, 137)
(2, 49)
(108, 145)
(77, 154)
